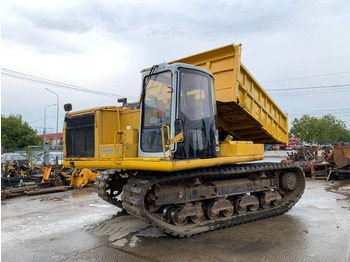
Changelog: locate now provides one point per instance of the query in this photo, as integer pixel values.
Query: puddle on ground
(59, 199)
(103, 206)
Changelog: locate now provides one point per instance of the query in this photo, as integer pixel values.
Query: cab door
(196, 108)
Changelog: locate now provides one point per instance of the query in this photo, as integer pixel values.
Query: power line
(32, 78)
(305, 88)
(36, 127)
(40, 119)
(323, 109)
(305, 93)
(318, 114)
(344, 113)
(304, 77)
(35, 120)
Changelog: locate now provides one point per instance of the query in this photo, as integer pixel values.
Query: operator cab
(178, 113)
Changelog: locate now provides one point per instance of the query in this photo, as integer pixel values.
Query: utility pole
(46, 146)
(56, 117)
(45, 121)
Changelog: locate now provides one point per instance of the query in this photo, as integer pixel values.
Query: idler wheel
(209, 212)
(240, 209)
(166, 212)
(289, 181)
(176, 219)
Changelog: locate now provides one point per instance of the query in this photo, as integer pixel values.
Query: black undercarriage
(196, 201)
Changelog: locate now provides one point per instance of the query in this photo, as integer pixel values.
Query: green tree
(17, 134)
(326, 129)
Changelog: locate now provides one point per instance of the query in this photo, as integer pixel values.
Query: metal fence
(31, 151)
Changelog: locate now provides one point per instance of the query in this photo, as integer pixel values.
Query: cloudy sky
(300, 47)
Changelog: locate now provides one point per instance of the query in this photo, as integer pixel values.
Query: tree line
(16, 133)
(320, 130)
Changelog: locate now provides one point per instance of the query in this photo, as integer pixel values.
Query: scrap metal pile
(323, 163)
(17, 171)
(20, 177)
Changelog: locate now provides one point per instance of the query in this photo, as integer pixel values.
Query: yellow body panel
(155, 164)
(236, 148)
(232, 152)
(108, 121)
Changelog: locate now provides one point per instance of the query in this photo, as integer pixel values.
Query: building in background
(52, 138)
(295, 143)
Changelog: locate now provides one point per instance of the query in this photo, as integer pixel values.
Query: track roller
(197, 219)
(176, 218)
(240, 209)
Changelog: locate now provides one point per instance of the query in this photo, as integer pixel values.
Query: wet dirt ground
(78, 226)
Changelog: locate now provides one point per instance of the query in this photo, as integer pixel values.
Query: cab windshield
(156, 110)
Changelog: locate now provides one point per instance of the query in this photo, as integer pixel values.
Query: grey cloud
(41, 42)
(132, 20)
(71, 20)
(137, 18)
(45, 30)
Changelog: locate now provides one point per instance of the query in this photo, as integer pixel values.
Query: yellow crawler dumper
(176, 158)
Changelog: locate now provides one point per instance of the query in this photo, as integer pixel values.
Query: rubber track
(135, 190)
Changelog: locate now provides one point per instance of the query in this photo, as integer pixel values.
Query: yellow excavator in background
(178, 158)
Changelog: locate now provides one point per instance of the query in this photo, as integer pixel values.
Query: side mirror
(67, 107)
(122, 100)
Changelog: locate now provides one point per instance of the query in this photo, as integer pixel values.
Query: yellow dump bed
(245, 110)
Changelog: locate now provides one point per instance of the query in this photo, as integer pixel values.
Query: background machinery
(178, 158)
